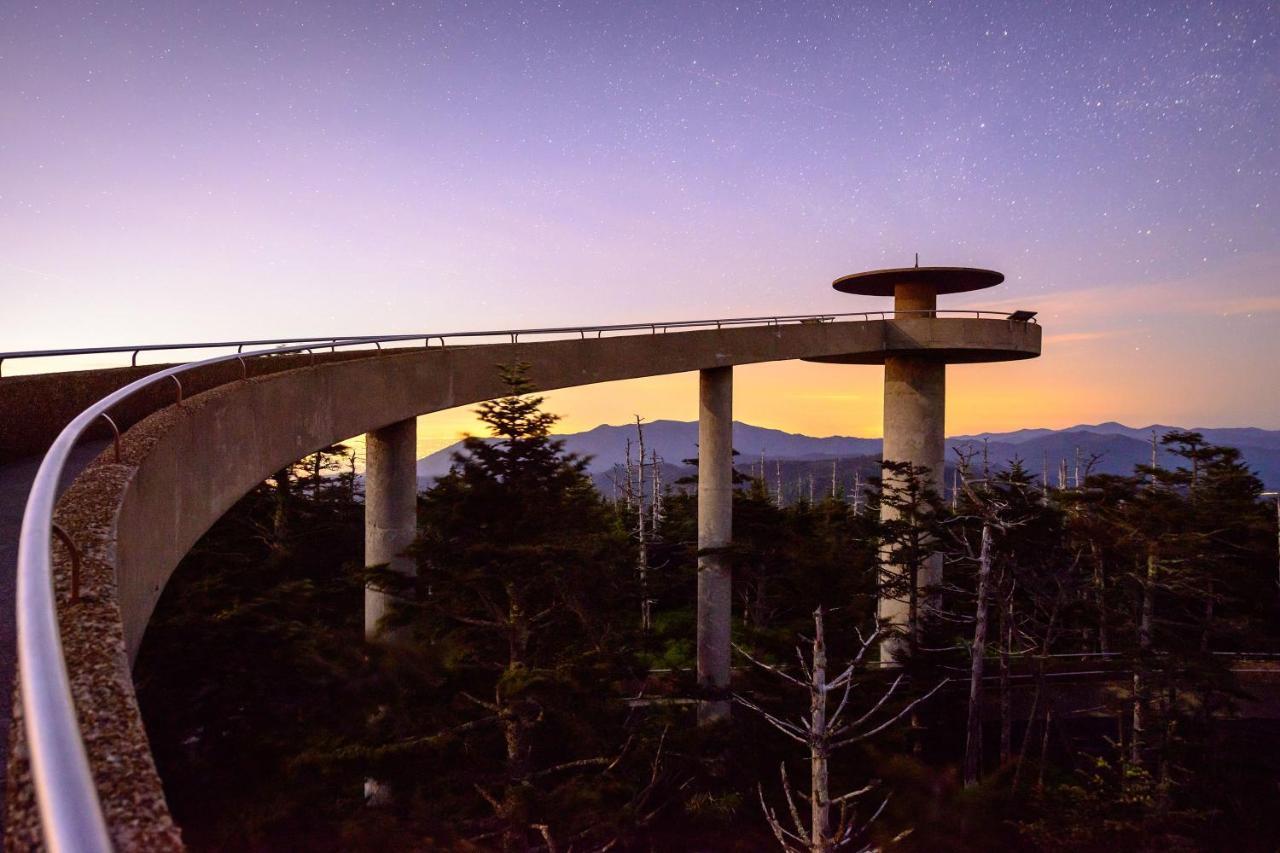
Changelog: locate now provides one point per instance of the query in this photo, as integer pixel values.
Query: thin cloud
(38, 273)
(1075, 337)
(1200, 294)
(1252, 305)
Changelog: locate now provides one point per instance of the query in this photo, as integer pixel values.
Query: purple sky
(188, 171)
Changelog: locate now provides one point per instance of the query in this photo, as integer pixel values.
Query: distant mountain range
(1118, 448)
(1121, 447)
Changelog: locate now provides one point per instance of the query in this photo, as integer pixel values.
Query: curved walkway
(184, 466)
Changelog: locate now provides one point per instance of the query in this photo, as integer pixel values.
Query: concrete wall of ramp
(184, 466)
(43, 403)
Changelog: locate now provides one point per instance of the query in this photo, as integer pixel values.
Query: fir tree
(522, 572)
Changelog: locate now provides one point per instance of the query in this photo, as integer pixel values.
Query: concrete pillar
(715, 530)
(914, 298)
(915, 395)
(390, 510)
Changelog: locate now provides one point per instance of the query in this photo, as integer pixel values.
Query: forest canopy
(534, 689)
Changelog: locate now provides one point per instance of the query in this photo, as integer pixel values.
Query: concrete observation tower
(915, 361)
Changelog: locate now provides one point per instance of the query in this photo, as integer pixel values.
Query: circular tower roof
(942, 279)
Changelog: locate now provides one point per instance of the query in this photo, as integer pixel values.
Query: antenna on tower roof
(917, 260)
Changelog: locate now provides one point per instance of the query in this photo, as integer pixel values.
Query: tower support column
(914, 431)
(715, 531)
(390, 511)
(915, 381)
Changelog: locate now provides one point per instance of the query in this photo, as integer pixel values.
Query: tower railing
(71, 814)
(321, 342)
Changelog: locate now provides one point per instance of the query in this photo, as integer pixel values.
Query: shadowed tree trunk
(1144, 648)
(283, 511)
(973, 731)
(1006, 698)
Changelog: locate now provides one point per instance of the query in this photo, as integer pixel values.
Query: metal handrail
(320, 341)
(71, 815)
(137, 348)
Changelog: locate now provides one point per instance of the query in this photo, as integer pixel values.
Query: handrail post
(115, 430)
(75, 560)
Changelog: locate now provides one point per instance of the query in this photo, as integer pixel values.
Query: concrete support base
(715, 531)
(915, 391)
(390, 511)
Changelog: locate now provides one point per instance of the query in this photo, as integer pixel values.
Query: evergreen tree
(909, 540)
(502, 722)
(522, 573)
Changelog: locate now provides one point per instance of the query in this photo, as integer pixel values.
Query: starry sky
(218, 171)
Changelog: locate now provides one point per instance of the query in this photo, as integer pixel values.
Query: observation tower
(920, 343)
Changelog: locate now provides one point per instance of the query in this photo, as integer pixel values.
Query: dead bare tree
(1089, 464)
(1045, 644)
(823, 733)
(1006, 698)
(993, 512)
(646, 511)
(1145, 618)
(628, 490)
(1147, 585)
(973, 730)
(351, 476)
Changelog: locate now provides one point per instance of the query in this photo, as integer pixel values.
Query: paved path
(15, 482)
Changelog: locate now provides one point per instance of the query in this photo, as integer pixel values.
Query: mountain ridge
(1117, 446)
